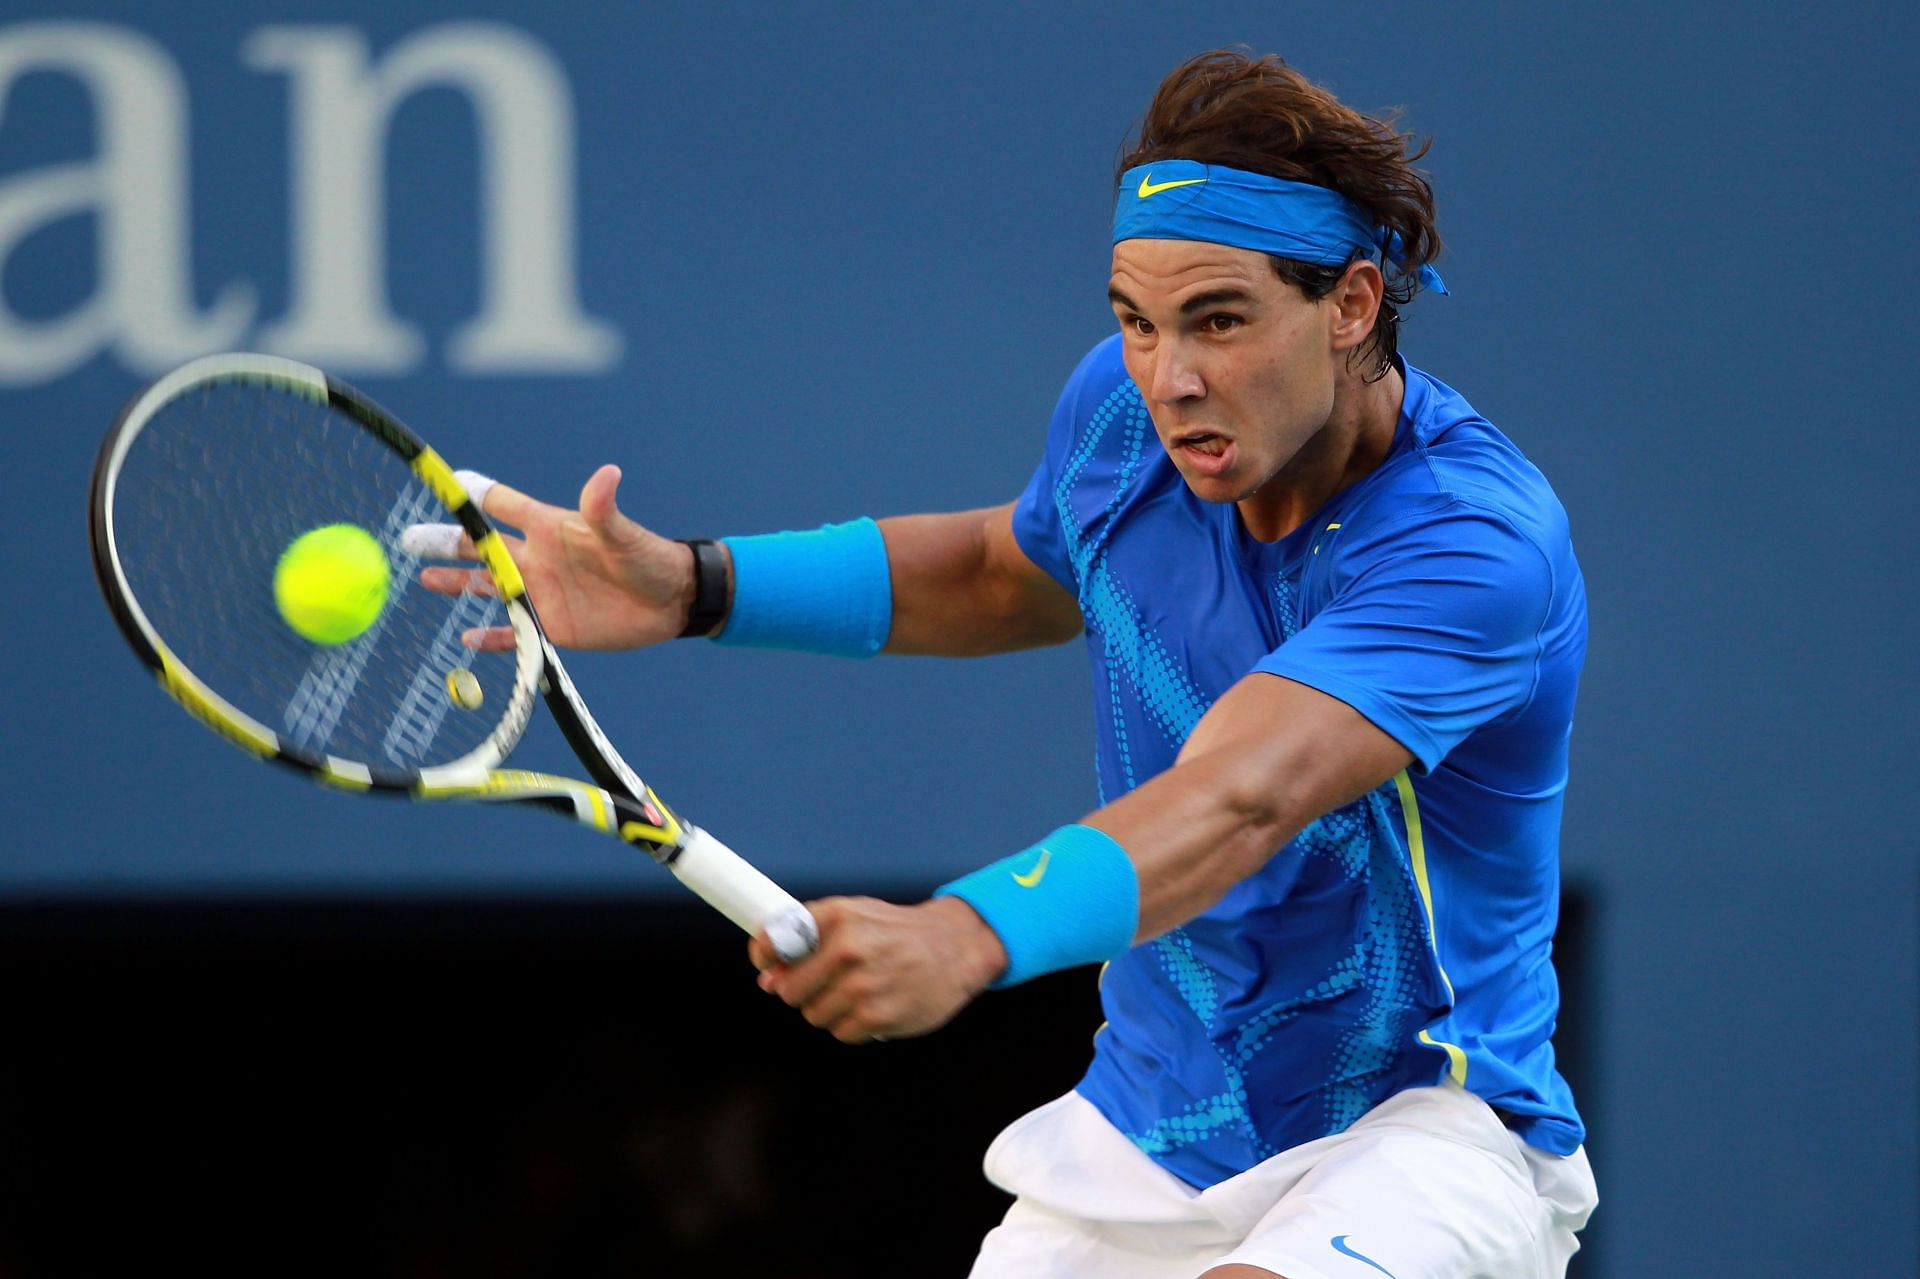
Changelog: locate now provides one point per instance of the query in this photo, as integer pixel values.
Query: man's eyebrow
(1214, 297)
(1198, 302)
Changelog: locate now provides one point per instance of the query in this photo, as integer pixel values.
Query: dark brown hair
(1259, 114)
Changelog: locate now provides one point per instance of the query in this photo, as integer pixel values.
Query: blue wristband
(823, 591)
(1071, 899)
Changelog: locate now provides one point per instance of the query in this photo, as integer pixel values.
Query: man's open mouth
(1205, 443)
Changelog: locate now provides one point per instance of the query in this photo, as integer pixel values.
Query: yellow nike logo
(1032, 877)
(1149, 187)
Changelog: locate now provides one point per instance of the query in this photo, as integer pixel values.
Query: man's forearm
(1192, 839)
(1269, 758)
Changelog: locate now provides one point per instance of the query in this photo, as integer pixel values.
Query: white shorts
(1427, 1185)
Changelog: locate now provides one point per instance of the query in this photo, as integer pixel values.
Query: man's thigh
(1411, 1205)
(1033, 1242)
(1429, 1184)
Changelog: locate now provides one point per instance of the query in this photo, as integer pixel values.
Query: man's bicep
(1052, 608)
(962, 587)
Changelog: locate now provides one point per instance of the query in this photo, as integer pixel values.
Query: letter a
(143, 302)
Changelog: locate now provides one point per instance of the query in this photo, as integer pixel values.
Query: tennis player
(1335, 627)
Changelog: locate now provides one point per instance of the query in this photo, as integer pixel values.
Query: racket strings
(211, 492)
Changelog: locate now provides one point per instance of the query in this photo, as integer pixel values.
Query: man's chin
(1230, 487)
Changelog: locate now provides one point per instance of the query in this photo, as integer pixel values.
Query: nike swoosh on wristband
(1339, 1243)
(1149, 187)
(1033, 876)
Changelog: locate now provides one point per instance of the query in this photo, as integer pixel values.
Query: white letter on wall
(137, 185)
(530, 318)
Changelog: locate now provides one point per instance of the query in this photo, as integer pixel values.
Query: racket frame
(619, 803)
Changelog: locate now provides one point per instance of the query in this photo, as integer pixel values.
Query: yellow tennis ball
(332, 582)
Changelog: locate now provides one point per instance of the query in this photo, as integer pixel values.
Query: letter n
(530, 318)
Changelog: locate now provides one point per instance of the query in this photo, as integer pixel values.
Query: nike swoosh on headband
(1149, 187)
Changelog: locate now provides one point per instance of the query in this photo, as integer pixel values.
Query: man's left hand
(883, 971)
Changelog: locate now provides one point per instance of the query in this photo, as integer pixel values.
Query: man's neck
(1352, 445)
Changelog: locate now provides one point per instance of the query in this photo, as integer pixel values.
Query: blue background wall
(851, 253)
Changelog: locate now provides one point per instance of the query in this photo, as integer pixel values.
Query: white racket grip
(725, 881)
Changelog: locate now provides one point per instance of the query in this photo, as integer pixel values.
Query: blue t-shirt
(1406, 937)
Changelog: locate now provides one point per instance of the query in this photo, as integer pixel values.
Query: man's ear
(1356, 304)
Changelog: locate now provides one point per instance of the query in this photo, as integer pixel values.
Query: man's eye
(1222, 323)
(1141, 325)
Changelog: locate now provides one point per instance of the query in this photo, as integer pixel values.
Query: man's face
(1237, 367)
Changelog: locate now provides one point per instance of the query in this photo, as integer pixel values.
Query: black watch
(710, 594)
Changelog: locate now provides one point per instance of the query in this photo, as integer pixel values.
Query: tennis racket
(203, 482)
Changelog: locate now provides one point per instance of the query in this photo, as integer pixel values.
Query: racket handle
(725, 881)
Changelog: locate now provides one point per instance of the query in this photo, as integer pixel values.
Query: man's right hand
(598, 579)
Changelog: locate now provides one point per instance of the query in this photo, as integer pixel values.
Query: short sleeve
(1037, 515)
(1036, 525)
(1432, 629)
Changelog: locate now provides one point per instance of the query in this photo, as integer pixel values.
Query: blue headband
(1187, 200)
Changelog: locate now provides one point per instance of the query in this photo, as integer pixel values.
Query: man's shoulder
(1103, 360)
(1454, 458)
(1101, 432)
(1098, 379)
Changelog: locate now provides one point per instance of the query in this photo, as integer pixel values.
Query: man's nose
(1175, 375)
